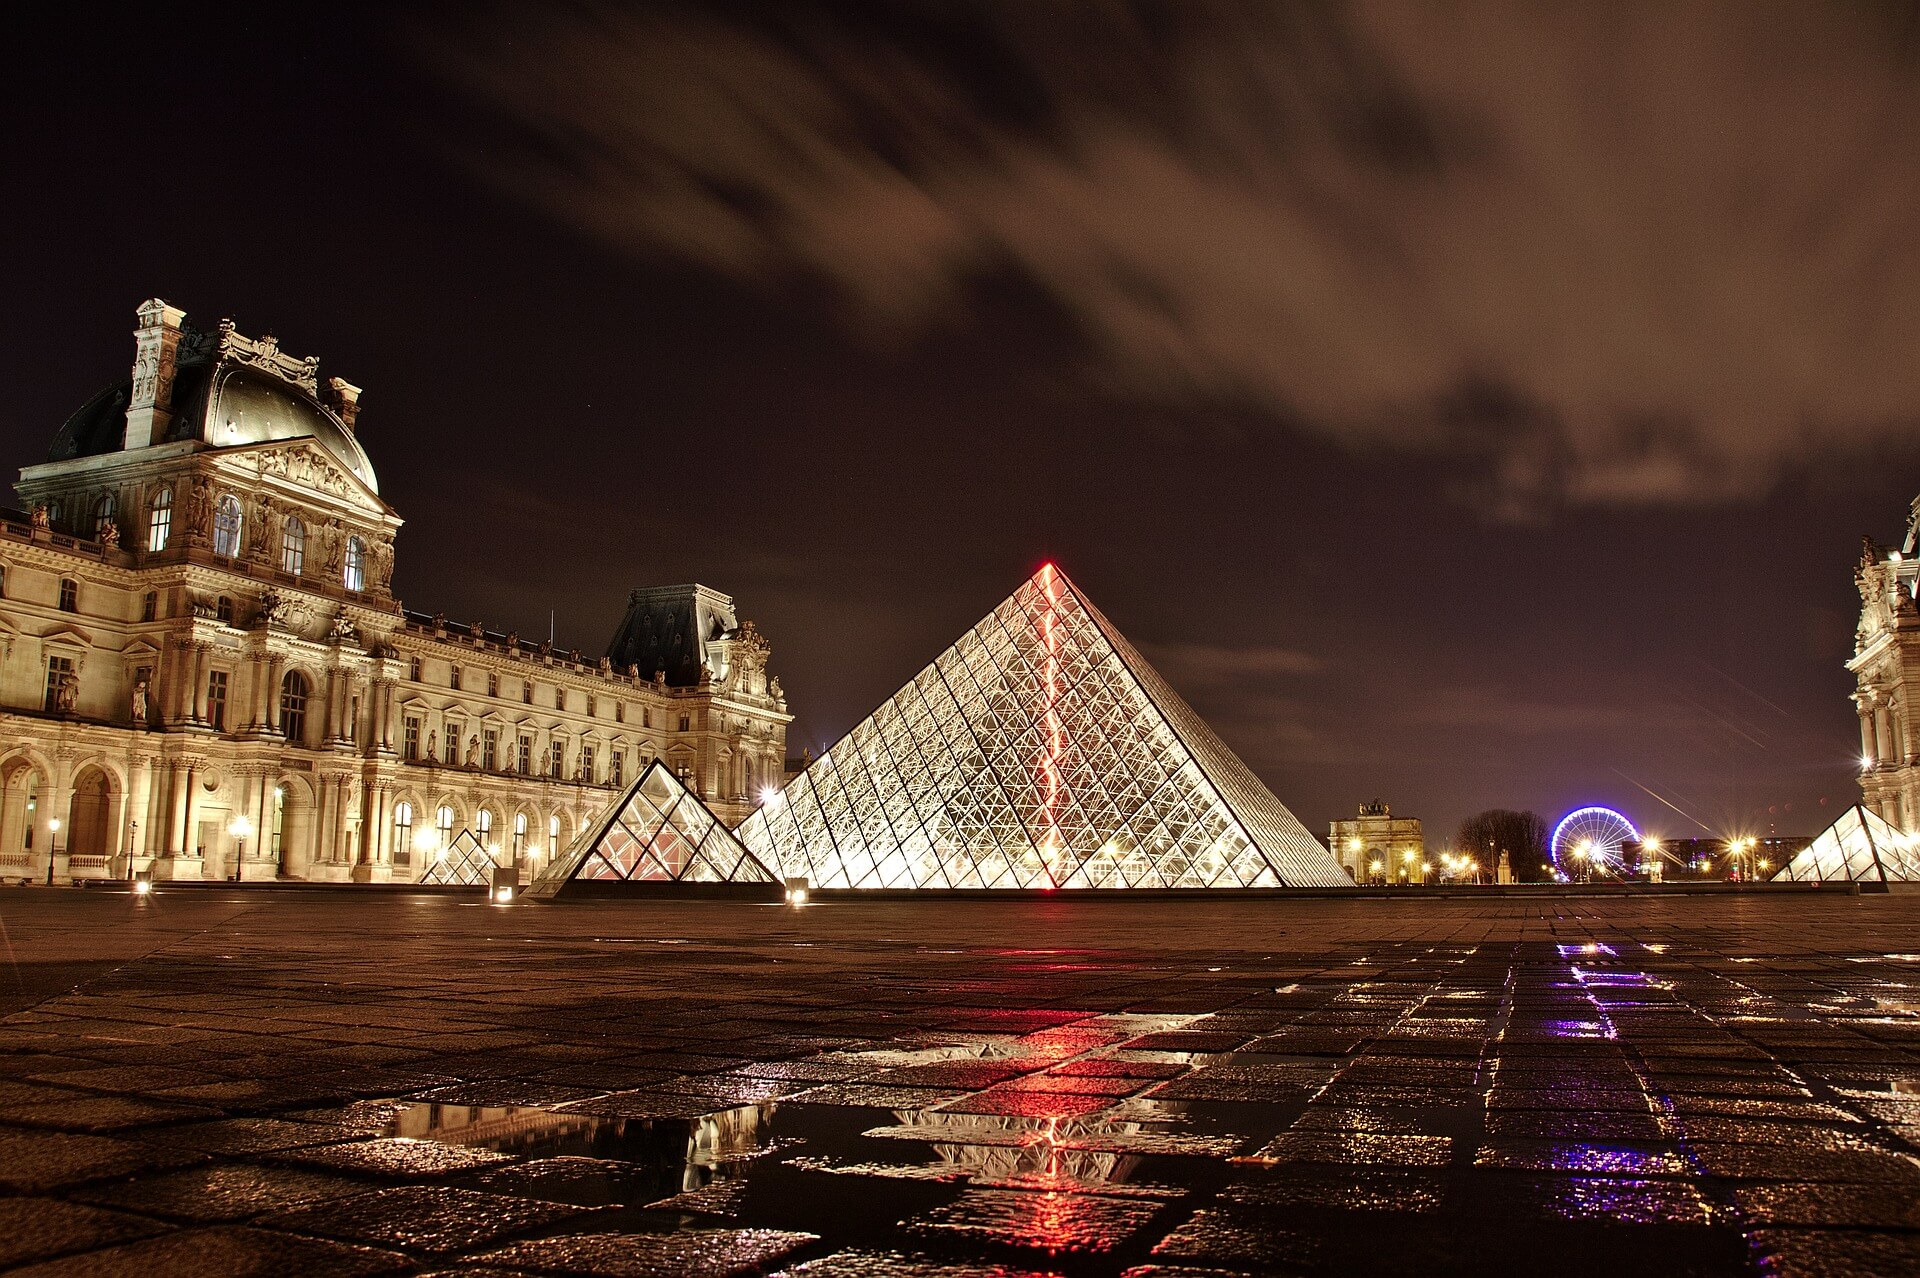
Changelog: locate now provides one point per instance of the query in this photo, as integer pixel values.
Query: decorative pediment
(308, 466)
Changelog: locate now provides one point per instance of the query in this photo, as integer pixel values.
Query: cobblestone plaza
(223, 1082)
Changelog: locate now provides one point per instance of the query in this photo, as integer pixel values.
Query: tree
(1521, 835)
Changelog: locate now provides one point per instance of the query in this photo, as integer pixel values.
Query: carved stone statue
(513, 641)
(259, 538)
(606, 665)
(336, 544)
(140, 703)
(476, 630)
(109, 535)
(433, 743)
(66, 693)
(199, 510)
(41, 520)
(342, 630)
(473, 752)
(380, 555)
(273, 607)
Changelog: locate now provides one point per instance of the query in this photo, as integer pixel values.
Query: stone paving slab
(230, 1081)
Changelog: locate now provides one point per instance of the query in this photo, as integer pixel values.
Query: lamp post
(240, 827)
(53, 851)
(1580, 854)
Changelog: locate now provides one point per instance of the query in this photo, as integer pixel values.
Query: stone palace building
(204, 671)
(1886, 670)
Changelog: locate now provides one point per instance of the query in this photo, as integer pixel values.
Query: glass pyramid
(1860, 846)
(1039, 751)
(462, 863)
(657, 832)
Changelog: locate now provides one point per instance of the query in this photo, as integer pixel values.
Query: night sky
(1464, 407)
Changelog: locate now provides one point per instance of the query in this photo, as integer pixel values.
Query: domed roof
(223, 403)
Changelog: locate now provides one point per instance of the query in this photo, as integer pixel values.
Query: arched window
(443, 823)
(403, 832)
(553, 836)
(102, 515)
(293, 706)
(519, 834)
(69, 595)
(226, 527)
(354, 574)
(160, 520)
(293, 546)
(484, 820)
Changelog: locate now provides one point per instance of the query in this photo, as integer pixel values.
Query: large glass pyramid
(1039, 751)
(1859, 847)
(657, 832)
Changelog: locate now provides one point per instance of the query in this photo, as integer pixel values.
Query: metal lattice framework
(1596, 833)
(1858, 847)
(657, 832)
(1039, 751)
(462, 863)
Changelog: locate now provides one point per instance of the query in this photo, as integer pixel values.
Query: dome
(224, 404)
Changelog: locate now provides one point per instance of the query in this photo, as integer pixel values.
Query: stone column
(193, 809)
(201, 660)
(1882, 735)
(140, 829)
(331, 732)
(1869, 749)
(275, 667)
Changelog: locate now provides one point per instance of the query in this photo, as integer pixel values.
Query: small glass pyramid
(657, 832)
(1858, 847)
(462, 863)
(1039, 751)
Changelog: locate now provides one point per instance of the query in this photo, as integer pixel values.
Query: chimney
(155, 340)
(346, 400)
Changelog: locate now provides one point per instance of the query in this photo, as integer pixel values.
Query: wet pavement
(230, 1082)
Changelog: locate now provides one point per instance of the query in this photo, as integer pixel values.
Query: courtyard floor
(230, 1081)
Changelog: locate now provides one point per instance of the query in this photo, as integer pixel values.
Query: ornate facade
(204, 671)
(1886, 670)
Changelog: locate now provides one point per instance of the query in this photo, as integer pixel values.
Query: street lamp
(53, 852)
(240, 827)
(1580, 854)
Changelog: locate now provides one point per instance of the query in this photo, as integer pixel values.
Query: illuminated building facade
(1377, 847)
(1040, 751)
(204, 671)
(1886, 671)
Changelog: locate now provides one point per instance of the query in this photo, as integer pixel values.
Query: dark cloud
(1624, 253)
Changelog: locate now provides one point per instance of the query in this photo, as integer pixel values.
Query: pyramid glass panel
(462, 863)
(1858, 847)
(1039, 751)
(657, 831)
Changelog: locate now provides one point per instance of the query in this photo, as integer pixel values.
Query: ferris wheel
(1593, 836)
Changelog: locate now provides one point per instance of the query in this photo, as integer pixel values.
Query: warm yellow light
(426, 840)
(142, 887)
(796, 896)
(1866, 761)
(1353, 845)
(240, 827)
(1764, 863)
(1376, 866)
(1410, 857)
(1651, 843)
(503, 895)
(1426, 867)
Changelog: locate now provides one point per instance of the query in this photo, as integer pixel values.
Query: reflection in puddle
(675, 1155)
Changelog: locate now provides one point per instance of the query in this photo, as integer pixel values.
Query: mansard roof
(668, 628)
(228, 391)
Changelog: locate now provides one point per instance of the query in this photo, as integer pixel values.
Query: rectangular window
(69, 595)
(527, 692)
(493, 684)
(411, 741)
(453, 677)
(413, 669)
(452, 748)
(619, 712)
(59, 671)
(618, 769)
(150, 605)
(593, 706)
(557, 764)
(489, 749)
(559, 698)
(217, 699)
(646, 717)
(523, 760)
(685, 723)
(586, 764)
